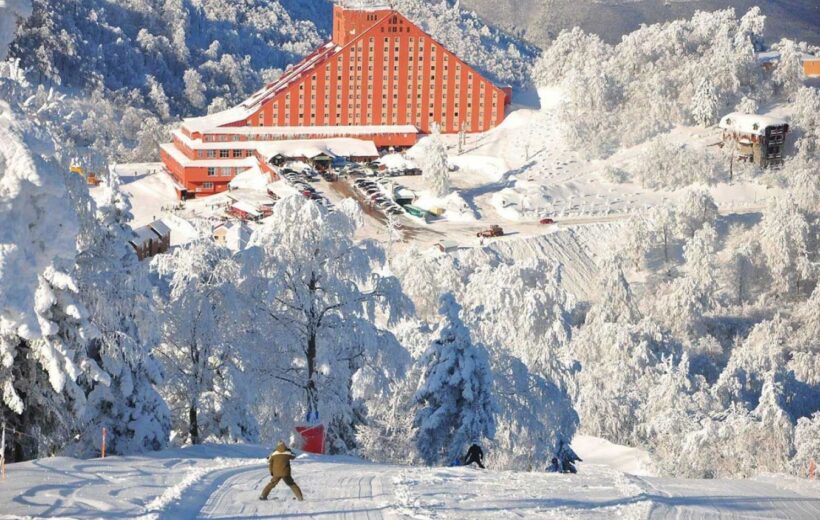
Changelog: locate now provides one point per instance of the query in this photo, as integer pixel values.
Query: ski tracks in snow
(334, 491)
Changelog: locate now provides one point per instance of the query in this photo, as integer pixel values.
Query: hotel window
(237, 154)
(208, 185)
(211, 154)
(226, 172)
(211, 172)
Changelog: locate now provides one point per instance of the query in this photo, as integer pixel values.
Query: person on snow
(567, 457)
(554, 466)
(475, 454)
(279, 466)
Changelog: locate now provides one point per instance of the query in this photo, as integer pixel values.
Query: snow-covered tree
(664, 164)
(620, 364)
(194, 88)
(156, 94)
(662, 223)
(747, 105)
(43, 327)
(529, 319)
(697, 209)
(704, 106)
(114, 287)
(455, 392)
(206, 384)
(788, 73)
(617, 302)
(434, 167)
(318, 294)
(806, 445)
(425, 279)
(784, 240)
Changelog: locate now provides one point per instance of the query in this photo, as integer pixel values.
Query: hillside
(224, 482)
(611, 19)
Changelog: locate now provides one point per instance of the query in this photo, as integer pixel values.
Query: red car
(546, 221)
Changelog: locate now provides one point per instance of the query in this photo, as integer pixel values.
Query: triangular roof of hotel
(254, 103)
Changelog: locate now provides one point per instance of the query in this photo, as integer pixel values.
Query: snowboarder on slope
(475, 454)
(554, 467)
(567, 457)
(279, 466)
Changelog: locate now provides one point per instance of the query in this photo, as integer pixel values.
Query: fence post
(812, 470)
(102, 450)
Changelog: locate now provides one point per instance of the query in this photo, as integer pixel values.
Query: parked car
(546, 221)
(492, 231)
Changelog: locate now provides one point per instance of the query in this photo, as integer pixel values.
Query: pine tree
(455, 393)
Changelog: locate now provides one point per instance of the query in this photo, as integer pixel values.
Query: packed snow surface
(224, 482)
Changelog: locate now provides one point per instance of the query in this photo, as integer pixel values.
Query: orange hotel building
(380, 78)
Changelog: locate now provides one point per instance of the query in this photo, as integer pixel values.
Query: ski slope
(225, 481)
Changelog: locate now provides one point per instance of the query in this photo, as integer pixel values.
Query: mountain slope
(539, 21)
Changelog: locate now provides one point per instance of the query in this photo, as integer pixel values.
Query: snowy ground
(224, 482)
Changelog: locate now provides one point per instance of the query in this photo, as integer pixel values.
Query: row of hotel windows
(222, 172)
(222, 154)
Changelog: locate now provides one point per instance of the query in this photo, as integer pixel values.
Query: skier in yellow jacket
(279, 466)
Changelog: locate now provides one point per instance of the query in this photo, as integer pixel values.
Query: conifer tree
(456, 393)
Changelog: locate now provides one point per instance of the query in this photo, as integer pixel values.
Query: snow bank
(595, 450)
(455, 207)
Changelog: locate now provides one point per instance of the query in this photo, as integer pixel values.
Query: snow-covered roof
(160, 227)
(292, 74)
(246, 207)
(773, 56)
(252, 178)
(256, 198)
(217, 119)
(143, 235)
(309, 148)
(180, 158)
(308, 131)
(749, 123)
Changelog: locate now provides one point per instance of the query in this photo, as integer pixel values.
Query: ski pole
(3, 453)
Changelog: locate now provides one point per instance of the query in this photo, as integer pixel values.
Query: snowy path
(225, 481)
